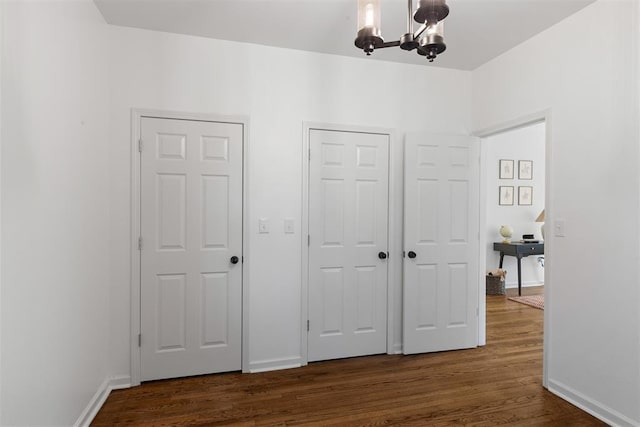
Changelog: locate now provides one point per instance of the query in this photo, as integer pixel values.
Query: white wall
(526, 143)
(278, 89)
(584, 70)
(55, 211)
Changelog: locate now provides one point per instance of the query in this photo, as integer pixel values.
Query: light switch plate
(559, 228)
(263, 225)
(288, 225)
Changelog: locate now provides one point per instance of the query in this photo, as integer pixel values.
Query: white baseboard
(397, 348)
(100, 397)
(597, 409)
(524, 285)
(275, 364)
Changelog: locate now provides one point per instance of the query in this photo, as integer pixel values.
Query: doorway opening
(515, 200)
(514, 183)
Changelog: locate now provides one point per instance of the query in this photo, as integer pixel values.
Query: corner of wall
(595, 408)
(98, 399)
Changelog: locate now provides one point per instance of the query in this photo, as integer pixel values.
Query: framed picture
(525, 169)
(506, 196)
(506, 169)
(525, 196)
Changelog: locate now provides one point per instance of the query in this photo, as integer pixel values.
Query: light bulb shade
(432, 44)
(369, 36)
(431, 11)
(368, 14)
(435, 29)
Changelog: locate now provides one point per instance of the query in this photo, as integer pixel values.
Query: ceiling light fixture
(428, 39)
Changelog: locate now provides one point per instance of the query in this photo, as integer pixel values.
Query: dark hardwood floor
(496, 384)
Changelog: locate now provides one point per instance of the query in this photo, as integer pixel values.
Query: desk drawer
(530, 249)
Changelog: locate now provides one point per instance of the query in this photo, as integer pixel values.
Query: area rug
(536, 301)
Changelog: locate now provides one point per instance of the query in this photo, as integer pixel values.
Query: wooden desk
(518, 250)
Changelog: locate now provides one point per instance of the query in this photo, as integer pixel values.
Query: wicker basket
(495, 286)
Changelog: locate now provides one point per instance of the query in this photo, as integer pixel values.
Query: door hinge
(140, 145)
(403, 254)
(307, 325)
(139, 340)
(242, 259)
(140, 243)
(309, 154)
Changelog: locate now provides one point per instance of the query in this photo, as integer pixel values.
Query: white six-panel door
(348, 223)
(191, 226)
(441, 243)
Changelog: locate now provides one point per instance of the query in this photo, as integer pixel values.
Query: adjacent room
(271, 212)
(515, 184)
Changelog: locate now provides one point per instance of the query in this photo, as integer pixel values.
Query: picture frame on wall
(525, 196)
(506, 169)
(505, 197)
(525, 169)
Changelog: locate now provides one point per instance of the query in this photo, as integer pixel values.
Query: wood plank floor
(496, 384)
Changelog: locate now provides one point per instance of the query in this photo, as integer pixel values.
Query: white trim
(304, 245)
(98, 399)
(482, 245)
(275, 364)
(512, 124)
(530, 119)
(397, 349)
(307, 126)
(593, 407)
(2, 25)
(548, 249)
(528, 284)
(136, 115)
(245, 245)
(395, 253)
(134, 361)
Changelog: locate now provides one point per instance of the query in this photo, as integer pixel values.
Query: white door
(441, 243)
(191, 226)
(348, 222)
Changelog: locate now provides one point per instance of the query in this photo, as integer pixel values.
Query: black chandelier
(429, 14)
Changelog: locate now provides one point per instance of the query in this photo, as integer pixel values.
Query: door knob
(234, 259)
(382, 255)
(411, 254)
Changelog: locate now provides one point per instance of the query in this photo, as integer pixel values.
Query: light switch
(558, 228)
(263, 225)
(288, 225)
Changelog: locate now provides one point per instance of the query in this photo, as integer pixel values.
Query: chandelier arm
(420, 30)
(389, 44)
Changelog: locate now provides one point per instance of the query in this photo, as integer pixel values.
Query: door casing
(136, 116)
(395, 251)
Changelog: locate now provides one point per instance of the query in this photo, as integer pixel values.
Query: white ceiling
(476, 31)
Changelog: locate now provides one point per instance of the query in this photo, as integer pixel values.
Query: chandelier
(428, 39)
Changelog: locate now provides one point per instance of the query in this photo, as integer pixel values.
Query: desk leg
(519, 277)
(501, 259)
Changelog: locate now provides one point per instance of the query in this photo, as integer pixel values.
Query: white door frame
(537, 117)
(395, 253)
(136, 116)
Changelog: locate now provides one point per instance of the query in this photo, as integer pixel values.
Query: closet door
(348, 243)
(191, 228)
(441, 243)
